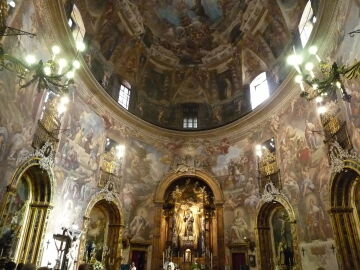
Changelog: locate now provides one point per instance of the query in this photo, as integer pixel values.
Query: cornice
(324, 34)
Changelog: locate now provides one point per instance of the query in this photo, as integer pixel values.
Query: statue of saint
(189, 220)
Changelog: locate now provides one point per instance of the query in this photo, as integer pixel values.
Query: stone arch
(344, 219)
(265, 211)
(109, 202)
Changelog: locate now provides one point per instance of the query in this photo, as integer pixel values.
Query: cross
(333, 248)
(47, 244)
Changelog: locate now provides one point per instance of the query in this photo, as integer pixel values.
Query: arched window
(124, 94)
(306, 24)
(259, 90)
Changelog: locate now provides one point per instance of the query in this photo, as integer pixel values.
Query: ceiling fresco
(178, 52)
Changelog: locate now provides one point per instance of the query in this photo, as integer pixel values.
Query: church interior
(180, 134)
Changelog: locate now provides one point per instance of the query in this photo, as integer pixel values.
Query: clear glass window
(306, 24)
(124, 96)
(259, 90)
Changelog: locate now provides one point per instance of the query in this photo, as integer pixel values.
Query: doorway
(238, 261)
(139, 258)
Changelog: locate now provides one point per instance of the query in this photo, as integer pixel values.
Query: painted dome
(188, 59)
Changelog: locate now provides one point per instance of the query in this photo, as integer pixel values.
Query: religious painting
(155, 84)
(80, 146)
(239, 229)
(96, 235)
(13, 220)
(282, 239)
(225, 85)
(139, 226)
(252, 261)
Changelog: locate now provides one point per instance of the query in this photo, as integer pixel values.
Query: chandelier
(328, 77)
(55, 74)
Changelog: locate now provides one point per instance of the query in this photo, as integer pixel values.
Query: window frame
(124, 96)
(255, 85)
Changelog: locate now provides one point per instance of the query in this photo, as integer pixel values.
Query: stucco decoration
(271, 192)
(45, 155)
(338, 156)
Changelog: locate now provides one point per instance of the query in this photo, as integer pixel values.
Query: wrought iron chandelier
(329, 77)
(55, 74)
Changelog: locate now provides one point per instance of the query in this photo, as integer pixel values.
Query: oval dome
(189, 64)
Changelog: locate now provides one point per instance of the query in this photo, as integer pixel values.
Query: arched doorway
(101, 239)
(189, 214)
(277, 237)
(24, 212)
(344, 212)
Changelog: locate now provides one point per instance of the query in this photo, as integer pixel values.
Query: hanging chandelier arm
(353, 71)
(12, 64)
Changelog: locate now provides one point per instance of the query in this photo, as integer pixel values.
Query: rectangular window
(124, 97)
(259, 90)
(306, 24)
(190, 115)
(190, 122)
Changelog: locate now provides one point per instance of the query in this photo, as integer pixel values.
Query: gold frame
(29, 249)
(345, 224)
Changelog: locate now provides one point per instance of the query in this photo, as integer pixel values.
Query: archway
(277, 235)
(102, 233)
(344, 212)
(190, 223)
(24, 212)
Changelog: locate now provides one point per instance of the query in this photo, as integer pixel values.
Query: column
(220, 237)
(156, 258)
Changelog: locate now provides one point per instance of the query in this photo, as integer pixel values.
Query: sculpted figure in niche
(189, 220)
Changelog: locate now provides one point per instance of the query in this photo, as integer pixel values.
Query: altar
(188, 215)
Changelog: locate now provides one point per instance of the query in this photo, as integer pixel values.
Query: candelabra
(329, 78)
(56, 74)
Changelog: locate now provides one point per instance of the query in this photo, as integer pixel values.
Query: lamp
(4, 29)
(56, 74)
(329, 78)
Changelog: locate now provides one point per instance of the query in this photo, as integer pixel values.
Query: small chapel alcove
(24, 210)
(191, 227)
(102, 238)
(276, 229)
(345, 212)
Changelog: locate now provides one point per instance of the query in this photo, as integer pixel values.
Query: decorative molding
(271, 192)
(45, 155)
(338, 155)
(108, 193)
